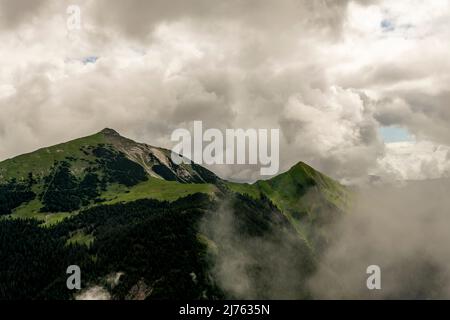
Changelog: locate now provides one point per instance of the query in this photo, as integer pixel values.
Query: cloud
(318, 70)
(328, 73)
(137, 18)
(414, 161)
(15, 12)
(256, 257)
(401, 230)
(94, 293)
(335, 126)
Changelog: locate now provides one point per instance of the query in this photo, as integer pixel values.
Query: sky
(395, 134)
(357, 88)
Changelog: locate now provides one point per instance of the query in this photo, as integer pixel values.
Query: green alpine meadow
(141, 227)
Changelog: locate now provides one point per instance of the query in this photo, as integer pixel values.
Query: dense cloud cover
(404, 231)
(328, 73)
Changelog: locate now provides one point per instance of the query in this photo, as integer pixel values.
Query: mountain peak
(301, 164)
(304, 165)
(109, 132)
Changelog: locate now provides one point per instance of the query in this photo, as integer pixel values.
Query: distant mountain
(141, 226)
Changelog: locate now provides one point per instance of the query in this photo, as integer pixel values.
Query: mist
(403, 230)
(266, 262)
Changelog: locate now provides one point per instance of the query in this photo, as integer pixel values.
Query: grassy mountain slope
(102, 168)
(155, 161)
(308, 198)
(106, 168)
(123, 209)
(301, 181)
(41, 161)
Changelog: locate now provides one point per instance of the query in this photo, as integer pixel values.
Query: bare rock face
(157, 162)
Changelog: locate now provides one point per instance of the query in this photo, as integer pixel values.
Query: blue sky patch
(387, 25)
(395, 134)
(89, 59)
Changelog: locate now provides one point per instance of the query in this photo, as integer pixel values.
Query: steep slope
(307, 197)
(102, 168)
(106, 168)
(157, 162)
(123, 210)
(81, 153)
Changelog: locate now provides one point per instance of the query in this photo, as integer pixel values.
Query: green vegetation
(296, 191)
(32, 210)
(251, 190)
(308, 198)
(64, 192)
(55, 218)
(13, 194)
(256, 242)
(79, 237)
(61, 191)
(33, 262)
(117, 168)
(40, 162)
(155, 244)
(94, 202)
(155, 188)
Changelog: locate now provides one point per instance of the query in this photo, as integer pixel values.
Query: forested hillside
(141, 227)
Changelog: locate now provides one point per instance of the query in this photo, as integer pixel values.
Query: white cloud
(415, 161)
(328, 75)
